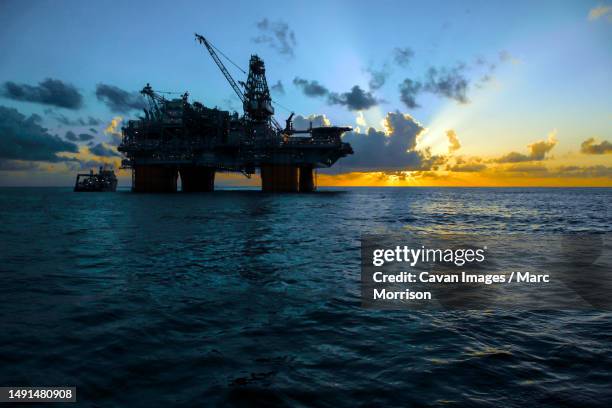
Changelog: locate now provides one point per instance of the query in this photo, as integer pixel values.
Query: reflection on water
(243, 296)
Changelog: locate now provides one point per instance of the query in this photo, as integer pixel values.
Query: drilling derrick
(257, 103)
(178, 138)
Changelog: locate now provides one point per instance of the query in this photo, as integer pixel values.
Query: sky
(439, 93)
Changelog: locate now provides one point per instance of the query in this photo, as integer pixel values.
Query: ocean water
(245, 298)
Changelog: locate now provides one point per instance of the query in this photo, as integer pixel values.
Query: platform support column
(154, 179)
(307, 184)
(279, 178)
(197, 179)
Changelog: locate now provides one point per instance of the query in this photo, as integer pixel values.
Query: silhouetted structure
(176, 137)
(104, 181)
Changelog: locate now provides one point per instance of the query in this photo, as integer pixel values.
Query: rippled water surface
(240, 297)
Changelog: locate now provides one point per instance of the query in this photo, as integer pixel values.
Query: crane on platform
(155, 100)
(256, 99)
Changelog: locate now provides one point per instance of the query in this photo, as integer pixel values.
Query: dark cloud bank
(379, 151)
(119, 100)
(83, 137)
(48, 92)
(310, 88)
(24, 143)
(101, 150)
(23, 138)
(355, 99)
(89, 121)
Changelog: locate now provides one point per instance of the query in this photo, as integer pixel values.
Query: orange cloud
(600, 11)
(537, 151)
(590, 147)
(453, 141)
(114, 130)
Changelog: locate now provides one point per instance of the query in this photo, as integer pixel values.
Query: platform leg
(154, 179)
(307, 184)
(197, 179)
(279, 178)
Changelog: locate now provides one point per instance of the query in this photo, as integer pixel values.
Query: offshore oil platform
(176, 137)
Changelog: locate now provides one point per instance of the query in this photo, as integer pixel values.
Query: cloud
(584, 171)
(71, 136)
(303, 122)
(17, 165)
(310, 88)
(525, 168)
(505, 56)
(360, 119)
(487, 68)
(277, 35)
(600, 11)
(378, 78)
(409, 90)
(538, 170)
(22, 138)
(95, 164)
(392, 150)
(453, 141)
(483, 80)
(103, 150)
(355, 99)
(48, 92)
(84, 137)
(453, 82)
(114, 130)
(590, 147)
(278, 88)
(468, 167)
(448, 82)
(93, 121)
(537, 151)
(403, 56)
(514, 157)
(119, 100)
(64, 120)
